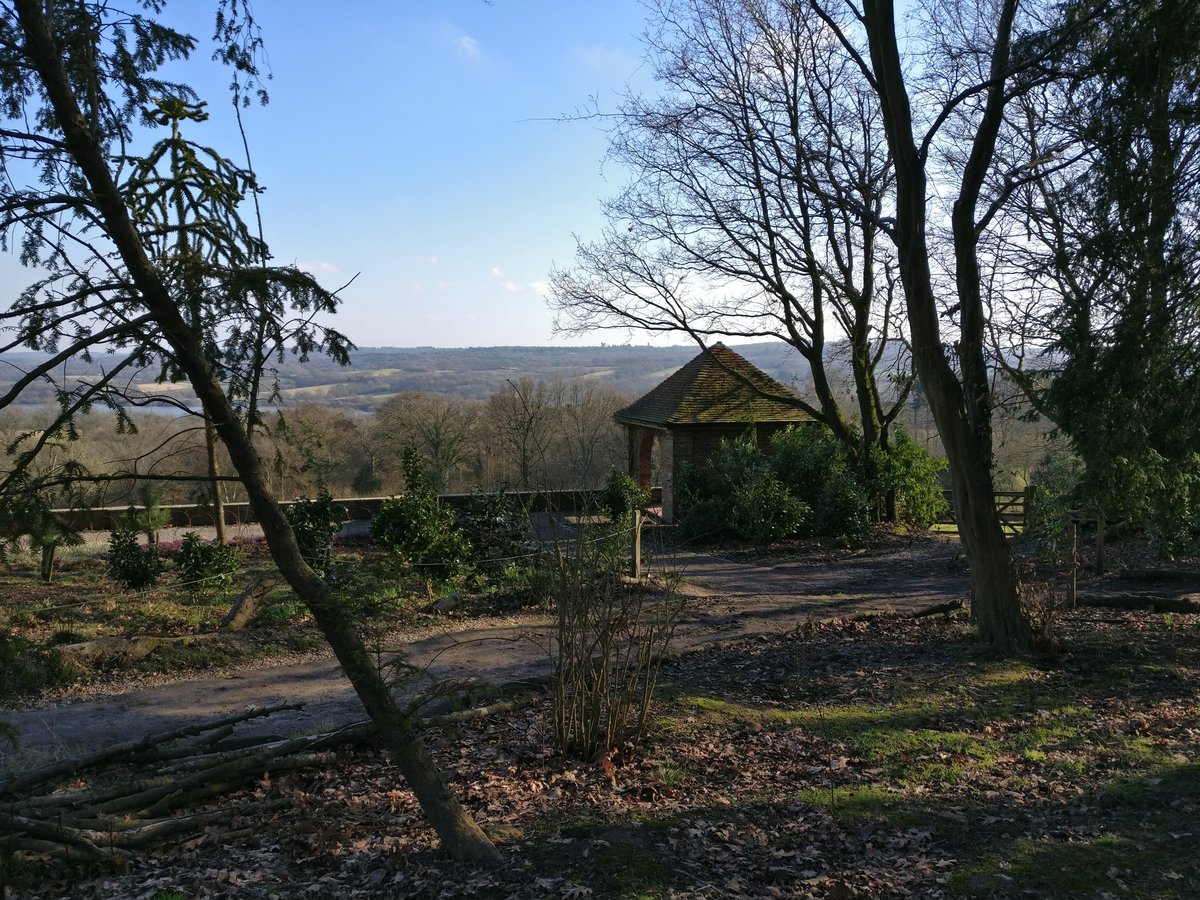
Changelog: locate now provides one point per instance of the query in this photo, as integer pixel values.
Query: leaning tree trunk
(460, 835)
(962, 417)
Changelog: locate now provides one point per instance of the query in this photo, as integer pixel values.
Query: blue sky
(418, 145)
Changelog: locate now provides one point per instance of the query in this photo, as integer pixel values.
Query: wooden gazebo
(719, 394)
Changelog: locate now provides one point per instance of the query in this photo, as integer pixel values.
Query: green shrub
(737, 494)
(915, 477)
(1046, 522)
(495, 526)
(842, 511)
(815, 469)
(807, 485)
(200, 563)
(131, 564)
(1161, 498)
(315, 522)
(804, 458)
(622, 495)
(26, 668)
(1055, 481)
(418, 531)
(1175, 508)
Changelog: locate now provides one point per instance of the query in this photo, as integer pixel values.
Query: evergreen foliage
(807, 485)
(915, 478)
(200, 563)
(27, 514)
(315, 522)
(739, 495)
(495, 526)
(817, 470)
(1127, 255)
(424, 536)
(622, 495)
(129, 562)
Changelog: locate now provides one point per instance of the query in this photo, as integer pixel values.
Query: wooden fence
(1013, 507)
(359, 508)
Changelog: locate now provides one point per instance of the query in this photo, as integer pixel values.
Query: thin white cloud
(432, 260)
(602, 58)
(505, 282)
(540, 287)
(468, 46)
(317, 268)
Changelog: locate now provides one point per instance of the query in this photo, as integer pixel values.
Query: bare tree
(318, 448)
(760, 178)
(442, 427)
(522, 415)
(943, 113)
(590, 441)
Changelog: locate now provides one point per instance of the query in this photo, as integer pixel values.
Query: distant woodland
(490, 417)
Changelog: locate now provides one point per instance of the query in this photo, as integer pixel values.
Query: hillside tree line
(529, 435)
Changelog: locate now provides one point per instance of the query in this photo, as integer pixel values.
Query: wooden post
(636, 549)
(1100, 544)
(1072, 576)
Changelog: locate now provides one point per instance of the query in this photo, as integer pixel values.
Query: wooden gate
(1012, 506)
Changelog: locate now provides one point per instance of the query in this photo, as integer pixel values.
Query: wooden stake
(636, 550)
(1073, 576)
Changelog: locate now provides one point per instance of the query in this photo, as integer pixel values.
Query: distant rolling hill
(376, 373)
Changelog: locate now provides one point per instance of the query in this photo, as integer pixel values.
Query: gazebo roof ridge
(718, 386)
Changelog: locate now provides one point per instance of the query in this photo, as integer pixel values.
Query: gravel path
(727, 599)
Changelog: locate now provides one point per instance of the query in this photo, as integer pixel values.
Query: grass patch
(1139, 852)
(26, 668)
(860, 802)
(1059, 778)
(84, 604)
(176, 655)
(635, 871)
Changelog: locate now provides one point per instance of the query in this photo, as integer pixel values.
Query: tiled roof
(707, 392)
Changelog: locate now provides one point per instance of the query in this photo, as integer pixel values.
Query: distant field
(376, 373)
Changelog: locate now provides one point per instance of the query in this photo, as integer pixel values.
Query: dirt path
(726, 599)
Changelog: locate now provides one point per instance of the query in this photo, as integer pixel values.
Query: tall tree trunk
(214, 477)
(961, 410)
(461, 837)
